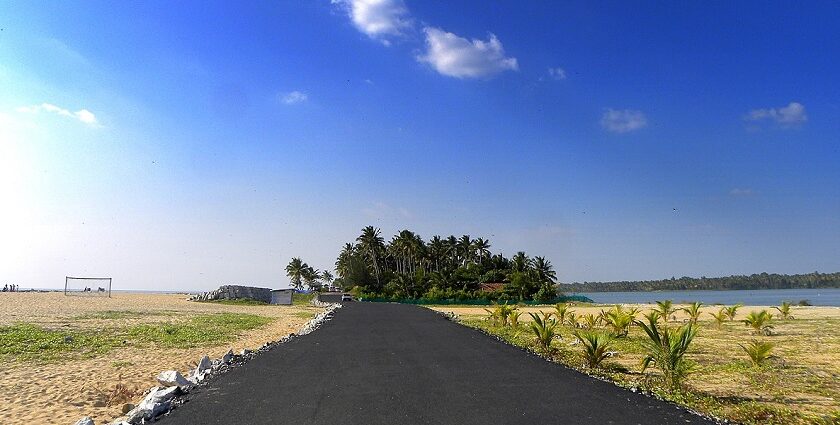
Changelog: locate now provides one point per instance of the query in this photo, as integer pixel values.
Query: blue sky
(185, 145)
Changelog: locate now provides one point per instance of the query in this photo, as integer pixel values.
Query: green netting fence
(475, 301)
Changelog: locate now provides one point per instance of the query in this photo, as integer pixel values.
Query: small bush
(544, 330)
(758, 351)
(759, 321)
(595, 345)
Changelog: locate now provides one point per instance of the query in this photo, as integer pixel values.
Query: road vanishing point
(401, 364)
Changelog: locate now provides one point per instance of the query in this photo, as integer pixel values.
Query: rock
(85, 421)
(171, 378)
(68, 339)
(99, 403)
(245, 352)
(227, 357)
(204, 364)
(156, 403)
(127, 408)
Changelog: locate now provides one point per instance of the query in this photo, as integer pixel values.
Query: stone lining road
(402, 364)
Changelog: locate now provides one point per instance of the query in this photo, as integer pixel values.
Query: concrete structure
(235, 292)
(282, 296)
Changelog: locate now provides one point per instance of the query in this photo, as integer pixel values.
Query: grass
(302, 299)
(28, 342)
(114, 315)
(800, 384)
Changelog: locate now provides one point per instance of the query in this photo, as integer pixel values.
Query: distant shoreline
(761, 281)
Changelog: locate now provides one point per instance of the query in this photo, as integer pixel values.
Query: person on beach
(6, 288)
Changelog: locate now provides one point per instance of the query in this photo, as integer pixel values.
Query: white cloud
(459, 57)
(557, 73)
(741, 192)
(787, 116)
(623, 120)
(294, 97)
(83, 115)
(378, 19)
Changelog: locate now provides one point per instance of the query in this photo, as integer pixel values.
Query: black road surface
(402, 364)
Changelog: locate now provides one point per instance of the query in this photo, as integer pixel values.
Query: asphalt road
(402, 364)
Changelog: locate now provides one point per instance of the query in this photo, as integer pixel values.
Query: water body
(823, 297)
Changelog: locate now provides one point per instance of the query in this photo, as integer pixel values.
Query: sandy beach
(62, 391)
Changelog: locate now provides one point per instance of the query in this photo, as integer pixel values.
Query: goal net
(87, 286)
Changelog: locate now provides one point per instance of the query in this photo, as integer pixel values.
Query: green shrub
(758, 351)
(693, 311)
(666, 309)
(595, 345)
(784, 309)
(759, 322)
(666, 348)
(544, 330)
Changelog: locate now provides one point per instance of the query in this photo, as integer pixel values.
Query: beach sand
(61, 392)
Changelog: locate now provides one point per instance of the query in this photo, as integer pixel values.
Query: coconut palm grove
(407, 267)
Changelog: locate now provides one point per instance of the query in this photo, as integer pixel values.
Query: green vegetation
(666, 309)
(759, 321)
(618, 320)
(755, 281)
(666, 349)
(784, 309)
(25, 341)
(28, 342)
(115, 315)
(732, 311)
(720, 317)
(700, 367)
(595, 346)
(201, 330)
(544, 329)
(452, 268)
(693, 311)
(758, 351)
(302, 299)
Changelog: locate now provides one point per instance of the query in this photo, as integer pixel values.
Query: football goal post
(87, 286)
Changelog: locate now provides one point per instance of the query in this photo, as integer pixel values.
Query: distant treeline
(755, 281)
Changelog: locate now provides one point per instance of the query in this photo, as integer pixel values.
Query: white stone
(171, 378)
(156, 403)
(204, 364)
(85, 421)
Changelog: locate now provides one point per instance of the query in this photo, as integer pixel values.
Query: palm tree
(595, 345)
(720, 317)
(436, 251)
(296, 269)
(666, 349)
(544, 271)
(327, 276)
(665, 308)
(465, 249)
(544, 329)
(311, 276)
(759, 321)
(344, 261)
(482, 249)
(758, 351)
(520, 263)
(372, 244)
(693, 311)
(731, 311)
(784, 309)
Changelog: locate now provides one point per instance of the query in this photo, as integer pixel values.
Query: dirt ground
(64, 391)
